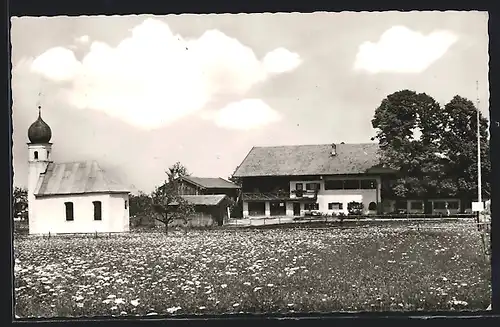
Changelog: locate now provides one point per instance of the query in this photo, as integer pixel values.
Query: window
(439, 205)
(312, 186)
(97, 210)
(48, 152)
(416, 205)
(453, 205)
(69, 211)
(299, 186)
(311, 206)
(36, 155)
(334, 185)
(351, 184)
(372, 206)
(126, 204)
(368, 184)
(401, 205)
(335, 206)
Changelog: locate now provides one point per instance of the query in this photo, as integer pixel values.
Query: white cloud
(281, 60)
(402, 50)
(155, 77)
(246, 114)
(83, 39)
(57, 64)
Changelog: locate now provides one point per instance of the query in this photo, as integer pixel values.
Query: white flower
(173, 309)
(135, 302)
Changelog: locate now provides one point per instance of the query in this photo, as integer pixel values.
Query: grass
(367, 268)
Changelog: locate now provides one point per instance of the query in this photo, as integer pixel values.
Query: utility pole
(479, 184)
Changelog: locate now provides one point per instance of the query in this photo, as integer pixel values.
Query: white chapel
(71, 197)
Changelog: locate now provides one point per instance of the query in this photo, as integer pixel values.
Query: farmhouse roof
(203, 200)
(81, 177)
(295, 160)
(210, 182)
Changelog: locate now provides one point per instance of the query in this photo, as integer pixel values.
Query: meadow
(385, 267)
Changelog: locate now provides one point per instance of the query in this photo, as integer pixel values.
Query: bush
(355, 208)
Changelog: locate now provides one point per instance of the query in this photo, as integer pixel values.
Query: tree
(140, 206)
(460, 147)
(442, 160)
(399, 120)
(177, 170)
(168, 205)
(20, 202)
(236, 207)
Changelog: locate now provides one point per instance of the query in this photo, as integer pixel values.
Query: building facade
(74, 197)
(327, 179)
(190, 185)
(294, 180)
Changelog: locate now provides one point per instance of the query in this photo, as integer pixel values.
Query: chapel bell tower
(39, 148)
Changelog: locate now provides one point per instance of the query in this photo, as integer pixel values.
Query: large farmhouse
(328, 178)
(71, 197)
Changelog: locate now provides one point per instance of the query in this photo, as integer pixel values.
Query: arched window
(97, 210)
(126, 204)
(48, 152)
(372, 206)
(36, 155)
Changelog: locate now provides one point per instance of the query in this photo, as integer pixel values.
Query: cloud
(401, 50)
(281, 60)
(155, 77)
(246, 114)
(58, 64)
(82, 39)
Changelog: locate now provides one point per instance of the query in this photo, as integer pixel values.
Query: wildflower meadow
(365, 268)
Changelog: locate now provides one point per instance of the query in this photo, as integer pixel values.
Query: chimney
(333, 153)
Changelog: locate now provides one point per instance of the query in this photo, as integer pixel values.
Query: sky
(139, 93)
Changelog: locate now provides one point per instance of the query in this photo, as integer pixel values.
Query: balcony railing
(310, 194)
(266, 196)
(280, 196)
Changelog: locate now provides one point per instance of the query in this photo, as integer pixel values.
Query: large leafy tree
(168, 205)
(399, 120)
(432, 147)
(459, 144)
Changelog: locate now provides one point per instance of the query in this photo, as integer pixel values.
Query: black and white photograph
(261, 163)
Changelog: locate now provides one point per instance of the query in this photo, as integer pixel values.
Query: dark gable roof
(309, 160)
(203, 200)
(210, 182)
(72, 178)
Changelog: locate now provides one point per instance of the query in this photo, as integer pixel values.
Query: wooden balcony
(304, 194)
(281, 196)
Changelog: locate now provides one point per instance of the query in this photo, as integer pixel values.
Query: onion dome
(39, 132)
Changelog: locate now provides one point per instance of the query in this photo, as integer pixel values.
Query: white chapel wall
(51, 215)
